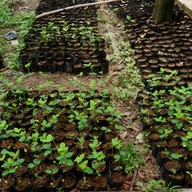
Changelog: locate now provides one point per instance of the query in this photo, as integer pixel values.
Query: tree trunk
(163, 10)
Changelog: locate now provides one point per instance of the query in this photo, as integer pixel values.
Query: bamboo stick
(74, 7)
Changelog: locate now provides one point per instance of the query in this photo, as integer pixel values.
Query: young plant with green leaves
(116, 143)
(65, 157)
(36, 162)
(98, 160)
(128, 157)
(52, 171)
(10, 161)
(187, 140)
(82, 163)
(82, 119)
(81, 141)
(94, 143)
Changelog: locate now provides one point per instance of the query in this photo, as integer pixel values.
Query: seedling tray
(60, 140)
(166, 45)
(166, 115)
(68, 41)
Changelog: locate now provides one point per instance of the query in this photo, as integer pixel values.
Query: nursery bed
(166, 45)
(163, 55)
(166, 114)
(51, 140)
(68, 41)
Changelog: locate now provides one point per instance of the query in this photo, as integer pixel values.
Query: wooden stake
(74, 7)
(163, 10)
(133, 180)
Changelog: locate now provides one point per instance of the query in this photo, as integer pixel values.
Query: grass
(20, 23)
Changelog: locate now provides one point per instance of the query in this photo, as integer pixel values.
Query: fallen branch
(133, 180)
(74, 7)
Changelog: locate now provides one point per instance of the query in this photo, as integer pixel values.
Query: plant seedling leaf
(79, 158)
(47, 152)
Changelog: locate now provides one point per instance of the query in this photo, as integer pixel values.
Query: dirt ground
(148, 170)
(26, 5)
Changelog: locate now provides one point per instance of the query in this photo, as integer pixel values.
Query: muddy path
(26, 5)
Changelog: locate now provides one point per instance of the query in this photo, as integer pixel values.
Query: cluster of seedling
(63, 45)
(70, 132)
(169, 119)
(64, 31)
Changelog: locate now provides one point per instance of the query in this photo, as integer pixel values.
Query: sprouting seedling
(47, 36)
(44, 123)
(47, 148)
(50, 24)
(98, 155)
(10, 166)
(160, 119)
(82, 102)
(81, 140)
(82, 119)
(178, 124)
(3, 125)
(83, 164)
(119, 127)
(95, 143)
(34, 163)
(27, 66)
(88, 65)
(189, 173)
(98, 158)
(117, 143)
(63, 22)
(80, 116)
(46, 138)
(187, 141)
(33, 136)
(20, 79)
(105, 129)
(11, 163)
(110, 109)
(42, 101)
(164, 132)
(54, 119)
(18, 132)
(176, 156)
(53, 95)
(54, 28)
(52, 171)
(29, 101)
(92, 83)
(128, 17)
(12, 154)
(92, 105)
(65, 157)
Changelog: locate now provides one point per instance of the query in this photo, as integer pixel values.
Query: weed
(157, 185)
(20, 23)
(128, 156)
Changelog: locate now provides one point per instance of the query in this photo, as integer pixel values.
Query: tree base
(163, 10)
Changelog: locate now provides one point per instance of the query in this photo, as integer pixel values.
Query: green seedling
(83, 164)
(65, 157)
